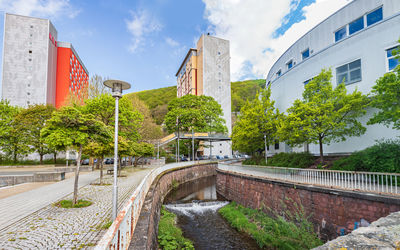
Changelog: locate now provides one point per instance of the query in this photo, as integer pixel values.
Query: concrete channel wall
(146, 231)
(9, 180)
(332, 211)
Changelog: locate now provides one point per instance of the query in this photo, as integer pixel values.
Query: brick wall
(331, 210)
(146, 230)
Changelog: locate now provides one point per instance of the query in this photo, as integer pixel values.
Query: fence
(363, 181)
(119, 235)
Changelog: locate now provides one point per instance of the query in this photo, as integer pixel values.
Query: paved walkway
(52, 227)
(18, 206)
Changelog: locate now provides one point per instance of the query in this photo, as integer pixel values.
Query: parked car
(226, 157)
(109, 161)
(184, 158)
(85, 162)
(219, 157)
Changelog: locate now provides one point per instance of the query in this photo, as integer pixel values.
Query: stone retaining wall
(332, 211)
(146, 231)
(9, 180)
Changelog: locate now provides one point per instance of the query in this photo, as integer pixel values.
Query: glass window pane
(374, 16)
(342, 69)
(393, 63)
(355, 75)
(290, 64)
(340, 34)
(356, 25)
(341, 78)
(390, 51)
(355, 64)
(305, 54)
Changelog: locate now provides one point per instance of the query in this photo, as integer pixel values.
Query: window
(349, 73)
(392, 61)
(340, 34)
(279, 73)
(31, 26)
(289, 64)
(374, 16)
(305, 54)
(356, 25)
(30, 51)
(276, 145)
(307, 81)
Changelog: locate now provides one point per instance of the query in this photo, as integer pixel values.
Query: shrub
(288, 160)
(169, 235)
(271, 233)
(384, 156)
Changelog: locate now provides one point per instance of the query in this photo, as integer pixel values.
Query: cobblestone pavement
(58, 228)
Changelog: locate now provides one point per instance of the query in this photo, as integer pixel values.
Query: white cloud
(171, 42)
(250, 26)
(140, 26)
(40, 8)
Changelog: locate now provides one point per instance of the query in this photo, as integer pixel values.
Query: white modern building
(206, 71)
(29, 60)
(356, 42)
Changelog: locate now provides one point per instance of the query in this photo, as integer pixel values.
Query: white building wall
(370, 46)
(25, 74)
(217, 84)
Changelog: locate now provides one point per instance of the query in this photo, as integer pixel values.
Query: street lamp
(116, 87)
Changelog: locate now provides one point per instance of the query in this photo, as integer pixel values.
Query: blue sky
(144, 41)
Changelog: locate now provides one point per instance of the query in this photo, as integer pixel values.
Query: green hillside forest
(157, 99)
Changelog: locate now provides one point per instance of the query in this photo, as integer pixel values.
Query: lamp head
(117, 86)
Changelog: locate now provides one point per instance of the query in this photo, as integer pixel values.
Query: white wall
(370, 46)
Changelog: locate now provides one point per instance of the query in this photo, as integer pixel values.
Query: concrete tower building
(29, 60)
(357, 43)
(36, 68)
(206, 71)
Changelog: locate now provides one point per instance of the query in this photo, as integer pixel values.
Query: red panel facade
(72, 78)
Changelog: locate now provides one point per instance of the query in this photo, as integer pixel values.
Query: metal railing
(376, 182)
(120, 233)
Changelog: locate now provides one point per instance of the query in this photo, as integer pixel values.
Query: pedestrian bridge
(336, 201)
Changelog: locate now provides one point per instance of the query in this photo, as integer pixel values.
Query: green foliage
(11, 141)
(169, 235)
(257, 119)
(324, 115)
(274, 233)
(8, 162)
(157, 100)
(385, 96)
(201, 113)
(287, 160)
(69, 204)
(384, 156)
(244, 91)
(30, 122)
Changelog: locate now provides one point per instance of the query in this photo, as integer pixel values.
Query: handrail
(120, 233)
(373, 182)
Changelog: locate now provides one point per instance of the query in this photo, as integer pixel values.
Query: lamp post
(116, 87)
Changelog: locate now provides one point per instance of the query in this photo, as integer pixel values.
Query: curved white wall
(369, 45)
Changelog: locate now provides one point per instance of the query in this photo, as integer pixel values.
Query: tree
(142, 149)
(200, 113)
(12, 142)
(96, 86)
(99, 150)
(70, 127)
(148, 130)
(257, 124)
(324, 115)
(30, 121)
(385, 97)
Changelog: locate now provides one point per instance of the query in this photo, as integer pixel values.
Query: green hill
(157, 99)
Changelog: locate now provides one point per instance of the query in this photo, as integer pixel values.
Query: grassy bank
(169, 235)
(276, 233)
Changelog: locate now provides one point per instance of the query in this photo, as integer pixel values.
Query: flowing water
(196, 204)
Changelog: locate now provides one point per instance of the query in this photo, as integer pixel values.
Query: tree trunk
(78, 165)
(101, 170)
(41, 159)
(321, 151)
(55, 157)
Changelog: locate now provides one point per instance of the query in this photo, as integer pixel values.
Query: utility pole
(265, 148)
(193, 144)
